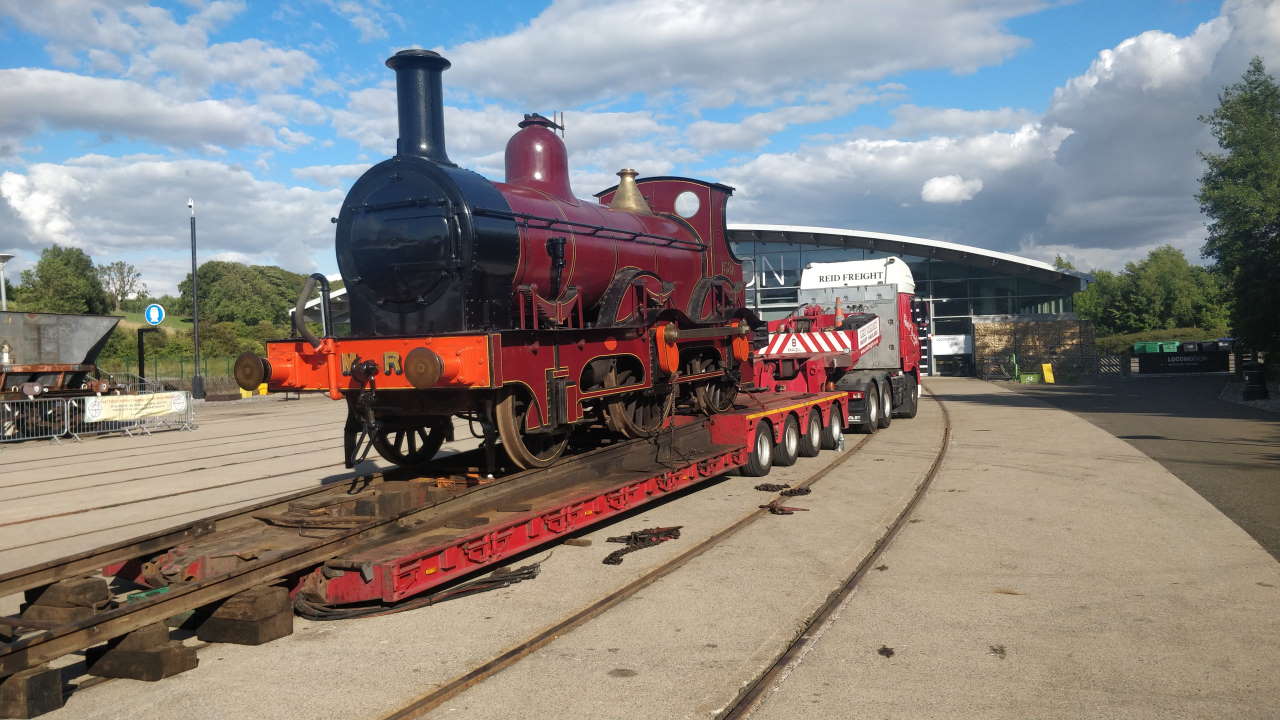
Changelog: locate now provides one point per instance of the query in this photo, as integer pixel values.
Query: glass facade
(953, 290)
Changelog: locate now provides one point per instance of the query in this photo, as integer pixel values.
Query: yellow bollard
(1047, 371)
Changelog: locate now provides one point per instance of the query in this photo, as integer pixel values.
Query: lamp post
(4, 298)
(197, 382)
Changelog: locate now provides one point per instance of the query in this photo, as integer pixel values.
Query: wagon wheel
(526, 449)
(716, 395)
(410, 446)
(636, 414)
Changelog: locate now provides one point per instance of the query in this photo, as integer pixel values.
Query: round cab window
(687, 204)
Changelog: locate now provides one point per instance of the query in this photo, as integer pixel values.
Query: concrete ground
(1053, 571)
(1227, 452)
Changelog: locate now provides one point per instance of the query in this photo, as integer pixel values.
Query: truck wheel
(886, 403)
(833, 433)
(811, 440)
(871, 415)
(788, 449)
(760, 458)
(910, 399)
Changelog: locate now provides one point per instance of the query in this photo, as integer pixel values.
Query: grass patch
(1123, 344)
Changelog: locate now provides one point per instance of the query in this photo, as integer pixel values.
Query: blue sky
(1035, 127)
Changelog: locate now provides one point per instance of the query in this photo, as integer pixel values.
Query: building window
(942, 270)
(992, 306)
(778, 270)
(950, 289)
(950, 307)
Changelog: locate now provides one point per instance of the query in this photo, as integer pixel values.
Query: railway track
(456, 502)
(757, 688)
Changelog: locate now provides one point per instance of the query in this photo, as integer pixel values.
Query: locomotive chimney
(421, 103)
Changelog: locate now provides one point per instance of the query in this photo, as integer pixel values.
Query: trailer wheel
(833, 433)
(811, 440)
(910, 398)
(871, 415)
(788, 449)
(760, 459)
(886, 403)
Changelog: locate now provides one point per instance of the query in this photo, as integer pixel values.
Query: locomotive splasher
(516, 305)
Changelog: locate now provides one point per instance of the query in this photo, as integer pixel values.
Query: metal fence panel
(32, 419)
(61, 417)
(181, 420)
(78, 426)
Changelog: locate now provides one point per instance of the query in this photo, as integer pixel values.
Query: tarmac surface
(1227, 452)
(1051, 571)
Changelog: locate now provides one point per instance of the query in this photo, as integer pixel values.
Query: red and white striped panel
(824, 341)
(808, 343)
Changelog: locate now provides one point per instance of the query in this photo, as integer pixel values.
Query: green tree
(120, 280)
(1061, 263)
(1161, 291)
(248, 294)
(1102, 303)
(64, 281)
(1240, 194)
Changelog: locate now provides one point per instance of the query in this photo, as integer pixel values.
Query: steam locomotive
(515, 305)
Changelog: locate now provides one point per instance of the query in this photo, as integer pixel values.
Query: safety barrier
(32, 419)
(56, 418)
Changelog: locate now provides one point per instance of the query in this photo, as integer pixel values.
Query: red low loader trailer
(854, 331)
(402, 534)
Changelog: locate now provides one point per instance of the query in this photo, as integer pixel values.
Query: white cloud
(369, 17)
(34, 98)
(758, 50)
(331, 176)
(754, 131)
(135, 206)
(1107, 173)
(950, 189)
(113, 26)
(247, 63)
(914, 121)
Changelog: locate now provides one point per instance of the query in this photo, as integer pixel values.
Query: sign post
(197, 382)
(154, 315)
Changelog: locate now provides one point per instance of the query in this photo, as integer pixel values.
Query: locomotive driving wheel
(526, 449)
(636, 414)
(716, 395)
(410, 446)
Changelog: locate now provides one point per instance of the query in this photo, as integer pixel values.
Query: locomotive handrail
(643, 238)
(300, 319)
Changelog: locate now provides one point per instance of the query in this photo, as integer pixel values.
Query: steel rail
(54, 643)
(493, 666)
(755, 692)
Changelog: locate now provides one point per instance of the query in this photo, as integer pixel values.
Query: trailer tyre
(833, 433)
(811, 440)
(886, 403)
(760, 458)
(871, 415)
(910, 398)
(788, 449)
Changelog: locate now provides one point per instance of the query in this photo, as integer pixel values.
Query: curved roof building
(956, 282)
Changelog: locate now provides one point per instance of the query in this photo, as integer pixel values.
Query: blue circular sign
(154, 314)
